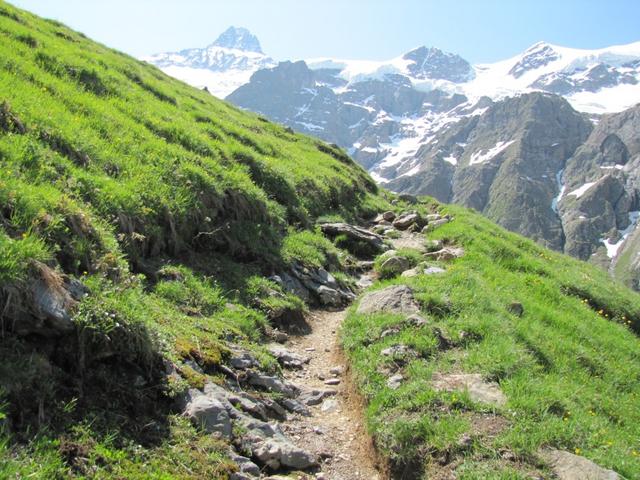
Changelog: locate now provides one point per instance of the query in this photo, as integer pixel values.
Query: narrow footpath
(335, 430)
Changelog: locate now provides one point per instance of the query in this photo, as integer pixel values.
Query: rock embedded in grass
(395, 265)
(446, 253)
(567, 466)
(394, 299)
(210, 414)
(479, 390)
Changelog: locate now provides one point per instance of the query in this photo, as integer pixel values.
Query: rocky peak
(430, 62)
(239, 38)
(536, 56)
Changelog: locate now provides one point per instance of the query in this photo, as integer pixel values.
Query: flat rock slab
(447, 253)
(479, 389)
(567, 466)
(395, 299)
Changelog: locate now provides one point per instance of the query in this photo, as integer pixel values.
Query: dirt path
(335, 430)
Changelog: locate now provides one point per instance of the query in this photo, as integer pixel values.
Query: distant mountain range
(545, 143)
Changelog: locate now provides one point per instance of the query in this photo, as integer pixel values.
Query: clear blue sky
(479, 30)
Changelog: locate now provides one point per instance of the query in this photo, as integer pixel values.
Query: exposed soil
(336, 430)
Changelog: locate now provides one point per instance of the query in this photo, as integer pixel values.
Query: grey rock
(395, 265)
(416, 321)
(316, 397)
(243, 360)
(276, 453)
(209, 414)
(246, 466)
(399, 352)
(395, 299)
(329, 296)
(295, 407)
(412, 272)
(354, 233)
(567, 466)
(332, 381)
(433, 217)
(435, 224)
(287, 358)
(447, 253)
(479, 390)
(389, 216)
(329, 405)
(405, 220)
(395, 381)
(241, 476)
(272, 384)
(434, 270)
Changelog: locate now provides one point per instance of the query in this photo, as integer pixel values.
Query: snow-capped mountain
(535, 142)
(384, 111)
(221, 67)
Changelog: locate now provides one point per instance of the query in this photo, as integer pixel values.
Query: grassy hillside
(569, 365)
(165, 210)
(170, 207)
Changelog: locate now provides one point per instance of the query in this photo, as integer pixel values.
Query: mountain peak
(239, 38)
(431, 62)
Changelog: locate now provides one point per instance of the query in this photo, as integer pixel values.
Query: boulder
(354, 233)
(567, 466)
(395, 265)
(276, 453)
(394, 299)
(389, 216)
(209, 414)
(329, 296)
(479, 390)
(433, 217)
(404, 221)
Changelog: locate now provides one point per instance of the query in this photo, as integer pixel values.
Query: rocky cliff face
(504, 163)
(600, 210)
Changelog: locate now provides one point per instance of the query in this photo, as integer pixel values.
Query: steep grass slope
(138, 219)
(556, 335)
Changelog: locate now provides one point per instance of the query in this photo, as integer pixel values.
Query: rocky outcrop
(214, 409)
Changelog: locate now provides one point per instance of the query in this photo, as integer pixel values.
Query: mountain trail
(335, 431)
